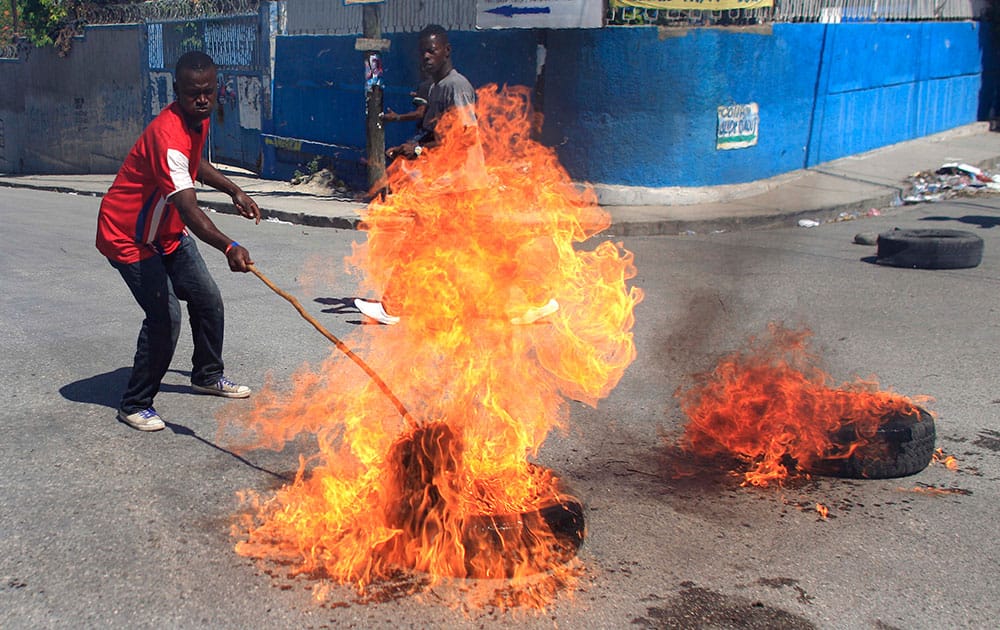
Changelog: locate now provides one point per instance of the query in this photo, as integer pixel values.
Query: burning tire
(903, 445)
(427, 513)
(929, 249)
(557, 527)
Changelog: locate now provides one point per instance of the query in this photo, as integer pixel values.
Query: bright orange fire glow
(774, 408)
(936, 491)
(948, 461)
(474, 232)
(822, 510)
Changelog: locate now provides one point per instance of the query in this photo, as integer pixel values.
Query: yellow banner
(692, 5)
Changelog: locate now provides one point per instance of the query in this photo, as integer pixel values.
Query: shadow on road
(341, 306)
(982, 221)
(337, 305)
(106, 389)
(180, 429)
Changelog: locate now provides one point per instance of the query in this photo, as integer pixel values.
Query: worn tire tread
(904, 446)
(929, 249)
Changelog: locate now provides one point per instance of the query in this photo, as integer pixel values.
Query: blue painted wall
(629, 106)
(636, 106)
(885, 83)
(319, 92)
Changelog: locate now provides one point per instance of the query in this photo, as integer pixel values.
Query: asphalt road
(102, 526)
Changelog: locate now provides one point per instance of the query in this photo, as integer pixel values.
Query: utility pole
(372, 44)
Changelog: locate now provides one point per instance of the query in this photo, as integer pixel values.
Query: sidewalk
(853, 185)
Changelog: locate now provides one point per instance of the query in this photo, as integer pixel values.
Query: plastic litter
(950, 180)
(808, 223)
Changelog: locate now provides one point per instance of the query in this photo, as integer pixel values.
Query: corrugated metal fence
(160, 10)
(864, 10)
(333, 17)
(326, 17)
(306, 17)
(807, 11)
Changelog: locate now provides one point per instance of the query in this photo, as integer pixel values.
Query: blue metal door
(235, 43)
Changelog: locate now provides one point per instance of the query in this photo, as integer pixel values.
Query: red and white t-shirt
(137, 219)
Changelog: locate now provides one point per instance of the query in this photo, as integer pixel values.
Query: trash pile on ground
(323, 183)
(951, 180)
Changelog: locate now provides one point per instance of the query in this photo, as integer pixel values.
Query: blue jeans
(157, 283)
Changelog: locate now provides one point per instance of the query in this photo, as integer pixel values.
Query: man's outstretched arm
(210, 176)
(195, 218)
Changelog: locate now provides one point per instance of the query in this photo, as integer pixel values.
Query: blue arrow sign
(510, 11)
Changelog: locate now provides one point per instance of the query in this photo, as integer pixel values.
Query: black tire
(929, 249)
(522, 543)
(515, 536)
(903, 445)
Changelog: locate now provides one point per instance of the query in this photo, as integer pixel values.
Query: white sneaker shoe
(144, 420)
(376, 311)
(535, 313)
(224, 387)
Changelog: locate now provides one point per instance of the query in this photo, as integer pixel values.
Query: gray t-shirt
(454, 90)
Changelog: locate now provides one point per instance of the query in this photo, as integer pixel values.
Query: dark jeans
(157, 283)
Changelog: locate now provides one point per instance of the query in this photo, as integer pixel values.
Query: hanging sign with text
(738, 125)
(539, 14)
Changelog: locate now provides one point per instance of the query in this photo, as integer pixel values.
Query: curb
(47, 188)
(826, 214)
(658, 227)
(297, 218)
(654, 221)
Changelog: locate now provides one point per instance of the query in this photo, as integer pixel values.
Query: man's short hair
(434, 30)
(193, 60)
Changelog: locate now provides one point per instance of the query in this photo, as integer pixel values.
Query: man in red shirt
(144, 230)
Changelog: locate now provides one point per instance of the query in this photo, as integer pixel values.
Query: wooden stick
(340, 345)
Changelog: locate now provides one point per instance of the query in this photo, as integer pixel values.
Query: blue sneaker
(145, 420)
(225, 388)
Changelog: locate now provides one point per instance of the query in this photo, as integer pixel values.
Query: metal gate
(237, 44)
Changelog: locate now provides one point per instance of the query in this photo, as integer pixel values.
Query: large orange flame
(474, 232)
(775, 408)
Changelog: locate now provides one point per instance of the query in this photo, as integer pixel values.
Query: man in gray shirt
(449, 88)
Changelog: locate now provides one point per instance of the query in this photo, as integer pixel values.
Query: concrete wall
(11, 115)
(74, 114)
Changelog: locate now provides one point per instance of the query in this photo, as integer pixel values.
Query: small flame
(774, 408)
(924, 488)
(822, 510)
(948, 461)
(474, 232)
